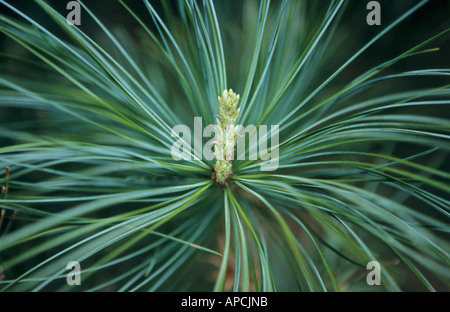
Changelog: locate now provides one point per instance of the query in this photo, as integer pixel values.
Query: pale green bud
(226, 134)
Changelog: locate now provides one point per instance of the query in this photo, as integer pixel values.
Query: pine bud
(226, 134)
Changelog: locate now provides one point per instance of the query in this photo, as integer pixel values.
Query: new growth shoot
(226, 135)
